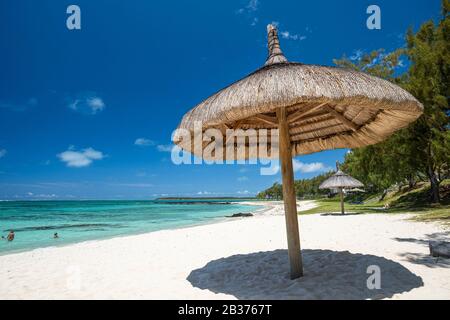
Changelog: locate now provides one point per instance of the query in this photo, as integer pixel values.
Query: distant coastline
(206, 198)
(201, 200)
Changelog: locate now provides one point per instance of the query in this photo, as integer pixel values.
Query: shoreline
(267, 207)
(212, 220)
(244, 258)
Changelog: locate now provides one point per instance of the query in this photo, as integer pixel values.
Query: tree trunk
(290, 201)
(411, 182)
(434, 186)
(434, 181)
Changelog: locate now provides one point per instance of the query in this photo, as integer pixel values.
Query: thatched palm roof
(340, 180)
(327, 107)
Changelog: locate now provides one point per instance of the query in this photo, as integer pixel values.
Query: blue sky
(88, 114)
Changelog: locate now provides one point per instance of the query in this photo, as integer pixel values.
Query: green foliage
(376, 63)
(417, 198)
(309, 188)
(422, 149)
(275, 192)
(305, 188)
(429, 80)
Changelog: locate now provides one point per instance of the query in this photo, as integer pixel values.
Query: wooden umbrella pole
(290, 203)
(342, 201)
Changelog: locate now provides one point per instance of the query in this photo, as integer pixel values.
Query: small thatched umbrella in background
(314, 107)
(340, 181)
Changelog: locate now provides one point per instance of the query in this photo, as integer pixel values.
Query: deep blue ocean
(35, 222)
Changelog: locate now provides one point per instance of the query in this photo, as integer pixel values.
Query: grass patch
(405, 200)
(439, 214)
(334, 205)
(418, 198)
(417, 201)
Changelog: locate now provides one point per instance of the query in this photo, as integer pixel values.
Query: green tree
(304, 187)
(274, 192)
(428, 80)
(424, 147)
(390, 164)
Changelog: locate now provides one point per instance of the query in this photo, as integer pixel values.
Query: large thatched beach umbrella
(340, 181)
(314, 107)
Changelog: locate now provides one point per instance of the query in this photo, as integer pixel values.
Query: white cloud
(2, 153)
(164, 147)
(93, 154)
(96, 104)
(89, 103)
(309, 167)
(203, 193)
(290, 36)
(79, 159)
(46, 196)
(249, 11)
(243, 192)
(243, 178)
(299, 166)
(251, 6)
(285, 34)
(160, 195)
(143, 142)
(40, 195)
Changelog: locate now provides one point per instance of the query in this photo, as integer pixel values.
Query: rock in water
(240, 215)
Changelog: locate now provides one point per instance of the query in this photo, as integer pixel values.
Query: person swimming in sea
(11, 236)
(55, 235)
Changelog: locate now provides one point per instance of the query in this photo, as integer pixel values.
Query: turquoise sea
(35, 222)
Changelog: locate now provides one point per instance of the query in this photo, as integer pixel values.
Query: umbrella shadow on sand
(328, 275)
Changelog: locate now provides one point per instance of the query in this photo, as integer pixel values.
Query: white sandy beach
(240, 258)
